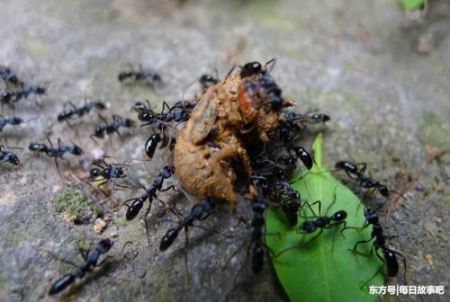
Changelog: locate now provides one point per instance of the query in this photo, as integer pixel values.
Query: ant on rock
(147, 76)
(68, 114)
(137, 203)
(55, 152)
(91, 261)
(356, 172)
(114, 126)
(379, 244)
(11, 97)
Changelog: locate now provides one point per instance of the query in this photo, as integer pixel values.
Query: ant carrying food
(91, 261)
(109, 172)
(66, 115)
(7, 156)
(147, 76)
(55, 152)
(379, 244)
(356, 172)
(114, 126)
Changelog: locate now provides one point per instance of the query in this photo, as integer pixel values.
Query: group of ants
(276, 186)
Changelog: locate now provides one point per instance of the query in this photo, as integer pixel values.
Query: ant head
(122, 75)
(146, 116)
(167, 171)
(95, 172)
(383, 190)
(156, 78)
(77, 150)
(13, 159)
(40, 90)
(250, 69)
(16, 120)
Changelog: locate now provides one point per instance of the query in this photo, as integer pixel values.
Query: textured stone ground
(356, 60)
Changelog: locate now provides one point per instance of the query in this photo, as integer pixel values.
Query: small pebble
(99, 225)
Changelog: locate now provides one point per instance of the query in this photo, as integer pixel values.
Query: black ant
(322, 222)
(199, 211)
(109, 172)
(284, 130)
(13, 120)
(291, 117)
(389, 256)
(91, 261)
(207, 80)
(259, 207)
(114, 126)
(56, 152)
(177, 113)
(9, 76)
(356, 172)
(10, 97)
(7, 156)
(148, 76)
(150, 193)
(79, 112)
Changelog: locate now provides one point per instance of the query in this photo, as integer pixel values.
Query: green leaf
(412, 4)
(324, 269)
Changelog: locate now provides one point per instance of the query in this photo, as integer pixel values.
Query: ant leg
(354, 250)
(167, 189)
(332, 203)
(146, 223)
(361, 167)
(165, 106)
(310, 207)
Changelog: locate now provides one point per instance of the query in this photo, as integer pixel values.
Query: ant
(13, 120)
(109, 172)
(322, 221)
(10, 97)
(7, 156)
(9, 76)
(177, 113)
(389, 256)
(56, 152)
(254, 68)
(356, 172)
(308, 118)
(150, 193)
(199, 211)
(259, 207)
(284, 130)
(114, 126)
(86, 108)
(207, 80)
(148, 76)
(91, 261)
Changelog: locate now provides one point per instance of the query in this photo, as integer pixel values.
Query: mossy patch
(76, 205)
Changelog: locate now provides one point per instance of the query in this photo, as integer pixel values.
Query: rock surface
(355, 60)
